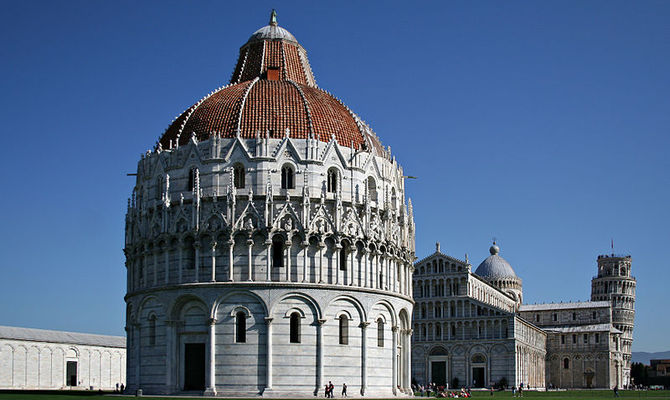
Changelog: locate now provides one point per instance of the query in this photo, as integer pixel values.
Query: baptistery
(268, 244)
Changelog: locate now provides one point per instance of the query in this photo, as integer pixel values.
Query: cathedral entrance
(194, 366)
(588, 376)
(478, 377)
(71, 373)
(438, 372)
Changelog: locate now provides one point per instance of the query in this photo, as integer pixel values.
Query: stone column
(210, 377)
(321, 246)
(288, 260)
(336, 250)
(364, 357)
(180, 264)
(305, 246)
(268, 261)
(169, 351)
(375, 271)
(319, 354)
(213, 278)
(156, 250)
(196, 245)
(408, 359)
(364, 267)
(352, 267)
(394, 352)
(250, 245)
(231, 271)
(166, 251)
(268, 361)
(137, 344)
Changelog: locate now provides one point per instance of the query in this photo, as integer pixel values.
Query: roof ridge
(310, 125)
(244, 100)
(192, 109)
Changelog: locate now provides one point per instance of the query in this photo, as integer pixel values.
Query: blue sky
(544, 124)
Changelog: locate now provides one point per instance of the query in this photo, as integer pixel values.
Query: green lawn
(572, 394)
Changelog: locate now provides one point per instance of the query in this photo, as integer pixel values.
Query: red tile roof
(254, 104)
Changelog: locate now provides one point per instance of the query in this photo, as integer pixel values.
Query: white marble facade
(37, 359)
(472, 329)
(467, 332)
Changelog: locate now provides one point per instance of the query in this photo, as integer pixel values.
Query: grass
(571, 394)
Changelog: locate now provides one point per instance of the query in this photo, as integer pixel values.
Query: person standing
(344, 390)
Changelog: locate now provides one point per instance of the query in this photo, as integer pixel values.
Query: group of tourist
(434, 390)
(330, 388)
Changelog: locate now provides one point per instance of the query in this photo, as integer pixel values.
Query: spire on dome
(273, 17)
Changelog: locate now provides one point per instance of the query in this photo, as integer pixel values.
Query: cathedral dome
(495, 266)
(272, 92)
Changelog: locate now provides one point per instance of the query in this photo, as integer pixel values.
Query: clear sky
(544, 124)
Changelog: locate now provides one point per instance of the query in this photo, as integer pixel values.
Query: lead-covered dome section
(494, 266)
(272, 90)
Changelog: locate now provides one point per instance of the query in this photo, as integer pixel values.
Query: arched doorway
(478, 368)
(438, 366)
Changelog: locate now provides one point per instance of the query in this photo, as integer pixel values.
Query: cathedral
(269, 248)
(472, 328)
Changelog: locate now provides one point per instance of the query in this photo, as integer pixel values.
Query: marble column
(319, 354)
(180, 263)
(213, 249)
(166, 252)
(250, 245)
(268, 355)
(155, 262)
(321, 246)
(336, 267)
(305, 246)
(364, 267)
(394, 352)
(354, 258)
(288, 260)
(268, 260)
(231, 270)
(364, 357)
(196, 245)
(210, 377)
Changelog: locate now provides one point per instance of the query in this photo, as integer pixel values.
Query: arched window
(287, 177)
(332, 180)
(343, 258)
(192, 176)
(380, 332)
(394, 201)
(240, 327)
(566, 363)
(294, 335)
(152, 330)
(277, 252)
(238, 176)
(344, 329)
(372, 189)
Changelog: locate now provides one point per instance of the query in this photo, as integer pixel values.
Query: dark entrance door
(478, 377)
(194, 366)
(71, 373)
(438, 372)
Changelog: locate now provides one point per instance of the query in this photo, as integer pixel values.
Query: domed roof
(272, 91)
(494, 266)
(272, 32)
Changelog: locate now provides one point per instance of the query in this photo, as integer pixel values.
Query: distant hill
(644, 357)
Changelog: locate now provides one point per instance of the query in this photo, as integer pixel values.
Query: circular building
(268, 245)
(497, 271)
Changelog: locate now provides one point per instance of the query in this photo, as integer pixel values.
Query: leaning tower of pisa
(615, 283)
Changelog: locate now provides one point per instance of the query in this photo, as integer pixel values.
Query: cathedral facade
(472, 328)
(269, 249)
